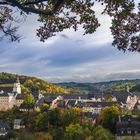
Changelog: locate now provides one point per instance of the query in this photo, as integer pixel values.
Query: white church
(10, 99)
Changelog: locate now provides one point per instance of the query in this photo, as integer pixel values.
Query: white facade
(17, 88)
(131, 101)
(8, 100)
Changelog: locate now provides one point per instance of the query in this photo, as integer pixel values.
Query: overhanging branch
(15, 3)
(34, 2)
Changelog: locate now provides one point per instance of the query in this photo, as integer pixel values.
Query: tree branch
(15, 3)
(9, 31)
(34, 2)
(4, 3)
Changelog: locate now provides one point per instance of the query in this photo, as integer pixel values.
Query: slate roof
(128, 125)
(48, 98)
(96, 104)
(20, 96)
(82, 96)
(6, 89)
(71, 103)
(75, 96)
(122, 96)
(18, 122)
(4, 125)
(5, 94)
(40, 102)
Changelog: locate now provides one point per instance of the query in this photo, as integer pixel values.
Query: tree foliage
(57, 15)
(100, 133)
(29, 100)
(74, 132)
(30, 84)
(109, 116)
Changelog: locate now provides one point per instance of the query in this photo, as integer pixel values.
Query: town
(89, 105)
(69, 70)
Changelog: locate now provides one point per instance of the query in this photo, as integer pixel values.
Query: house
(7, 101)
(95, 107)
(18, 124)
(70, 104)
(48, 98)
(4, 128)
(19, 99)
(37, 96)
(127, 126)
(55, 102)
(8, 98)
(126, 99)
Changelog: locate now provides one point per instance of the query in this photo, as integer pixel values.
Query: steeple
(17, 87)
(17, 80)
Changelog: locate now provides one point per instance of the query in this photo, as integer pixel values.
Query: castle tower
(17, 87)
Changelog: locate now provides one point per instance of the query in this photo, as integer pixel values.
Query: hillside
(30, 84)
(110, 86)
(33, 84)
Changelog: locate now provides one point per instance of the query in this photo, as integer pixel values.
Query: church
(9, 99)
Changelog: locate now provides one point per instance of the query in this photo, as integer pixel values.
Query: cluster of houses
(90, 104)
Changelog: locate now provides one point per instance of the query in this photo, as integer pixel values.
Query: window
(128, 131)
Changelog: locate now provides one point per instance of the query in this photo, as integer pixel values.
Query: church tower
(17, 87)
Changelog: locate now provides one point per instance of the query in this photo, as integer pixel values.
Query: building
(4, 128)
(9, 99)
(17, 88)
(94, 107)
(19, 99)
(18, 124)
(128, 126)
(126, 99)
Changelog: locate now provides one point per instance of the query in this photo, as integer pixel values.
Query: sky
(69, 56)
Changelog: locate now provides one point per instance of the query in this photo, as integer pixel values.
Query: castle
(9, 99)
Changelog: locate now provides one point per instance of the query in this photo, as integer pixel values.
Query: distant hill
(30, 84)
(33, 84)
(110, 86)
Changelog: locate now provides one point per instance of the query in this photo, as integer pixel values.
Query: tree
(57, 15)
(44, 107)
(129, 138)
(41, 121)
(109, 116)
(99, 133)
(48, 137)
(29, 102)
(74, 132)
(71, 116)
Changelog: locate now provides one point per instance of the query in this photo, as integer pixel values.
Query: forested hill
(110, 86)
(30, 84)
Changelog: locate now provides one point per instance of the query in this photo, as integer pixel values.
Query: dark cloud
(65, 36)
(68, 57)
(70, 54)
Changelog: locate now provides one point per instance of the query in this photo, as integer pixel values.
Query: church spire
(17, 87)
(17, 80)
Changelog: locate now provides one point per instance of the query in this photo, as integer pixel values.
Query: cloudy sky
(69, 56)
